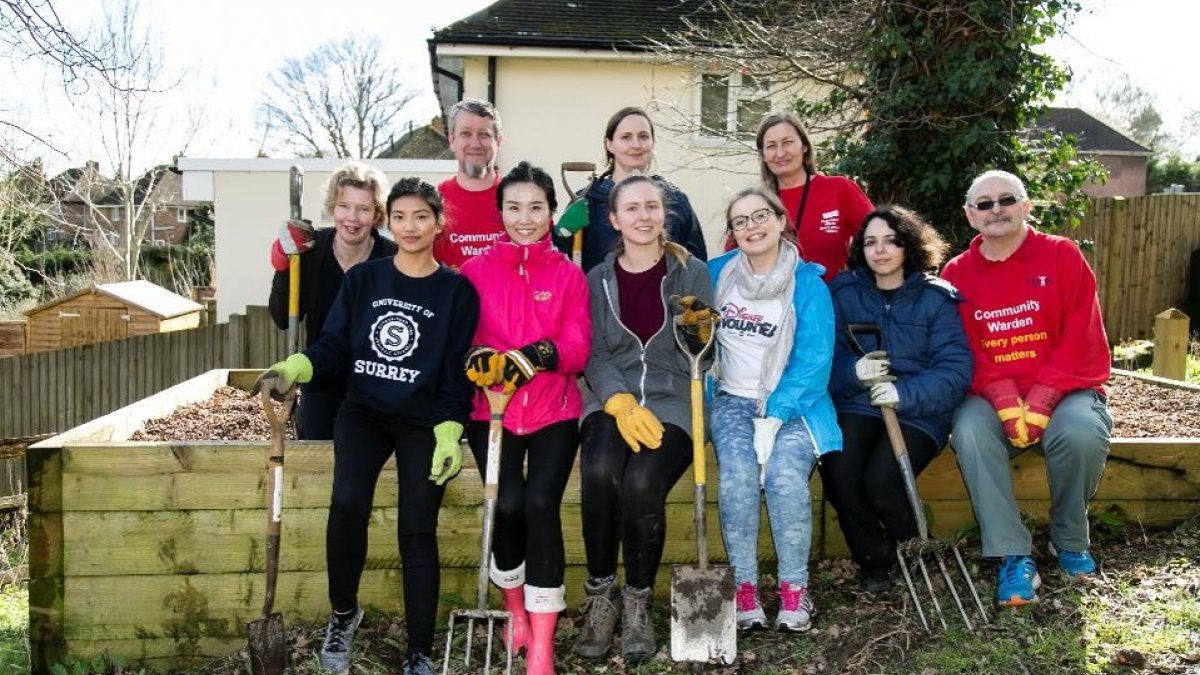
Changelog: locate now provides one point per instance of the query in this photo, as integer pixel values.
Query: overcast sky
(227, 48)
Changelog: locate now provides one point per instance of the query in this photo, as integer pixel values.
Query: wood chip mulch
(230, 414)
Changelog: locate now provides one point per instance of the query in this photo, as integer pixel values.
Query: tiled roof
(1091, 134)
(578, 24)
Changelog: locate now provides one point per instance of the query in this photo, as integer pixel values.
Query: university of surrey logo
(394, 336)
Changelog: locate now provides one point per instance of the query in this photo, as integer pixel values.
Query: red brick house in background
(1124, 158)
(88, 205)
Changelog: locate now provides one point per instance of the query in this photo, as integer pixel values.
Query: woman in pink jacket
(533, 337)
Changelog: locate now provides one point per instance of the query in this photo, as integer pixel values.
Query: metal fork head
(491, 617)
(918, 555)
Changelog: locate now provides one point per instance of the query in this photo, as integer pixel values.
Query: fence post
(235, 348)
(1170, 344)
(1114, 266)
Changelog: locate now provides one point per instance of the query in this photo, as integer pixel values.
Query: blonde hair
(361, 176)
(678, 252)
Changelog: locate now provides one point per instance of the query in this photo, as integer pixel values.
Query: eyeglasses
(988, 204)
(758, 218)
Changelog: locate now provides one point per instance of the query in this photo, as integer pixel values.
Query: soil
(1139, 410)
(230, 414)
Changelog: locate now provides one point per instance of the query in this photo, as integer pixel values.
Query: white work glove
(765, 431)
(885, 395)
(872, 368)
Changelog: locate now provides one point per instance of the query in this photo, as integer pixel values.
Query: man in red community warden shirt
(472, 216)
(1041, 358)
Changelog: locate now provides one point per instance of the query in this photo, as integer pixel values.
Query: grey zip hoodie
(657, 374)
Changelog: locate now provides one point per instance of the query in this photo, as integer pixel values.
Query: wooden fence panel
(51, 391)
(1140, 251)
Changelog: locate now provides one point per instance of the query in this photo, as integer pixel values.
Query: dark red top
(640, 297)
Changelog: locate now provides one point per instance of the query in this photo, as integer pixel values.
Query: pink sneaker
(795, 609)
(750, 614)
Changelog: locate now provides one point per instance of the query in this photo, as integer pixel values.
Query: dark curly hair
(527, 173)
(415, 187)
(924, 248)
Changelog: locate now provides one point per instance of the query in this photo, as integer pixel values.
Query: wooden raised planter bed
(154, 550)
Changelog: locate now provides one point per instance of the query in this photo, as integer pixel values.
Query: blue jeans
(789, 504)
(1075, 446)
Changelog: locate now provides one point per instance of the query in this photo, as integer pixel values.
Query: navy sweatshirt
(400, 341)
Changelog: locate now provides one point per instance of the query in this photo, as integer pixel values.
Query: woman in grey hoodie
(635, 434)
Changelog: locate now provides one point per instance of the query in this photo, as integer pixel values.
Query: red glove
(295, 237)
(1038, 405)
(1006, 399)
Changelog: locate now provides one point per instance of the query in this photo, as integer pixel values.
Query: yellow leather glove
(695, 320)
(638, 426)
(484, 366)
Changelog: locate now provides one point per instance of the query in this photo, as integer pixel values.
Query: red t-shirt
(1033, 317)
(639, 295)
(473, 223)
(835, 209)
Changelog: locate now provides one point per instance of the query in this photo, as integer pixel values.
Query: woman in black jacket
(354, 199)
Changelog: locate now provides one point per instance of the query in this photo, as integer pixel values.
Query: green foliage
(59, 261)
(1164, 171)
(14, 629)
(951, 89)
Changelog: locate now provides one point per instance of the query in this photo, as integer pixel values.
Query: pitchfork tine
(941, 560)
(962, 567)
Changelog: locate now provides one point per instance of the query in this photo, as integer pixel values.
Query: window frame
(736, 92)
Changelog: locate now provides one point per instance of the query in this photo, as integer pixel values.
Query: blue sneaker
(1076, 563)
(1018, 581)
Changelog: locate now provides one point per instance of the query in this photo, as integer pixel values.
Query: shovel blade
(268, 648)
(703, 619)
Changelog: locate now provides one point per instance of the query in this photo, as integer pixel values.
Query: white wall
(251, 199)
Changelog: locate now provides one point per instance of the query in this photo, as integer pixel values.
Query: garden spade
(497, 404)
(265, 637)
(575, 217)
(920, 553)
(703, 621)
(296, 194)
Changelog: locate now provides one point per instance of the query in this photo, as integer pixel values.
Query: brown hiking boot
(637, 631)
(600, 612)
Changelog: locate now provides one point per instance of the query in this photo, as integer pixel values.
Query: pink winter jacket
(530, 293)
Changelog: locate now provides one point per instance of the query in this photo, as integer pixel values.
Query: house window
(51, 235)
(732, 104)
(181, 215)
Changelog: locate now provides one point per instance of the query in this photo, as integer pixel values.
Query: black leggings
(530, 496)
(318, 410)
(864, 484)
(363, 441)
(623, 496)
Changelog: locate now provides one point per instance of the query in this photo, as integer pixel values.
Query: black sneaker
(339, 642)
(876, 581)
(418, 664)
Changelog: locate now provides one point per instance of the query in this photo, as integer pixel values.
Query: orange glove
(1039, 404)
(1006, 399)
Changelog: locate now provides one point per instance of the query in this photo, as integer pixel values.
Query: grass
(14, 628)
(1136, 355)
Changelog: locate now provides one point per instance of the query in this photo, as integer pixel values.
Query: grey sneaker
(339, 642)
(795, 609)
(418, 664)
(750, 615)
(600, 612)
(637, 630)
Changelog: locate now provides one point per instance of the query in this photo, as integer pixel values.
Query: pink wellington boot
(514, 602)
(539, 657)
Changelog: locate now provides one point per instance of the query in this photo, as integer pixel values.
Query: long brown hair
(611, 129)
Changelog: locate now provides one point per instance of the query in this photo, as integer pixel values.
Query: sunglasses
(987, 204)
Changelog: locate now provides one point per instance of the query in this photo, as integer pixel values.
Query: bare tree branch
(341, 99)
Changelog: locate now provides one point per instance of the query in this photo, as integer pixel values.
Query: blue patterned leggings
(789, 505)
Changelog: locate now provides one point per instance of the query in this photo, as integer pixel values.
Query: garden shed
(109, 312)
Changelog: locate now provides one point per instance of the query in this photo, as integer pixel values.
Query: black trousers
(363, 442)
(623, 497)
(530, 494)
(864, 484)
(318, 410)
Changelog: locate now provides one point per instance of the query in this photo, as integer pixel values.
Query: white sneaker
(750, 615)
(795, 609)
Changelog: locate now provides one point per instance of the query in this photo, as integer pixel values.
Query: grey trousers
(1075, 446)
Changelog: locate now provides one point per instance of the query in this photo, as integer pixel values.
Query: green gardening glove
(447, 454)
(279, 378)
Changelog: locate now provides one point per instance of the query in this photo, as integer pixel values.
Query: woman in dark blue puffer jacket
(922, 369)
